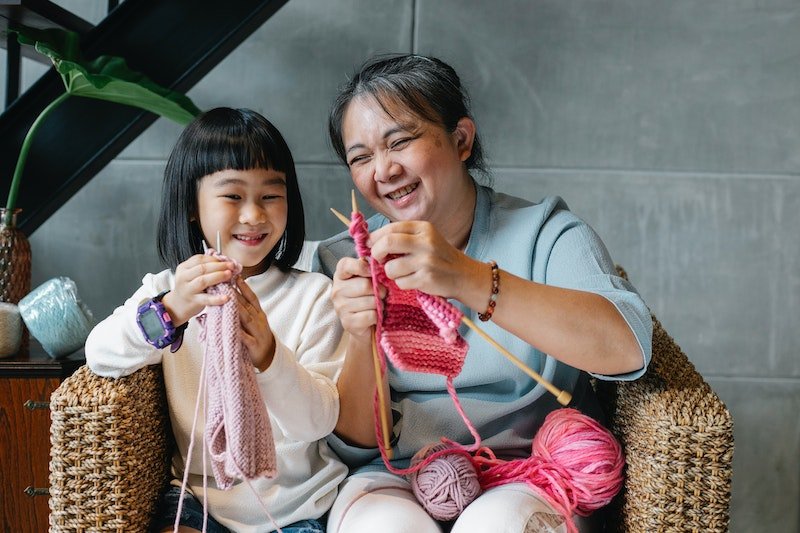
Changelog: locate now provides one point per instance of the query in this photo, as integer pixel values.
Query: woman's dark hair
(224, 139)
(426, 86)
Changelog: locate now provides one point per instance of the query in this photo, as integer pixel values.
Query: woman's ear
(465, 136)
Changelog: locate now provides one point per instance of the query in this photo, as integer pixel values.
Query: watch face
(151, 323)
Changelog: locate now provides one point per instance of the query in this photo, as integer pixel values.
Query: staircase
(174, 42)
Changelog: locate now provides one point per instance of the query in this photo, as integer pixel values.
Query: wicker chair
(110, 453)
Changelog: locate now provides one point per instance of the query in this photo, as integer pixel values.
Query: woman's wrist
(486, 315)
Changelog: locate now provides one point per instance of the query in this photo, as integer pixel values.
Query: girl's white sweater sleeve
(299, 385)
(116, 346)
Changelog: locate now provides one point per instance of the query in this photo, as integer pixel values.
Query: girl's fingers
(247, 293)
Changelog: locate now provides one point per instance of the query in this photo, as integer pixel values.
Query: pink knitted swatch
(418, 332)
(238, 430)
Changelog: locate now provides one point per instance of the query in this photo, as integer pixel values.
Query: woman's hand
(257, 336)
(192, 277)
(354, 303)
(353, 298)
(417, 256)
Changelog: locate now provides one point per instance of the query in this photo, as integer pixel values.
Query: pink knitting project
(238, 431)
(418, 332)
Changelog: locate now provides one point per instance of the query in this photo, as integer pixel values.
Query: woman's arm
(355, 305)
(580, 328)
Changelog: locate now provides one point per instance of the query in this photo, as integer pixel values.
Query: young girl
(231, 174)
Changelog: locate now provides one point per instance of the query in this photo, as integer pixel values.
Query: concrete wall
(672, 127)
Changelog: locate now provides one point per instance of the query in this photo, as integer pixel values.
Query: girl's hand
(192, 278)
(353, 299)
(418, 257)
(256, 333)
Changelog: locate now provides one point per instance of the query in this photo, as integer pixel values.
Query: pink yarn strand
(576, 465)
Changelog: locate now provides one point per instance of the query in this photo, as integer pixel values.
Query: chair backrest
(678, 441)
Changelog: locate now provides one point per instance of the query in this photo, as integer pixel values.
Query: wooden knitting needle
(375, 360)
(563, 397)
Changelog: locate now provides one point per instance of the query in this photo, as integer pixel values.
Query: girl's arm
(116, 347)
(299, 384)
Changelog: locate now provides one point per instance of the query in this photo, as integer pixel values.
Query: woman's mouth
(405, 191)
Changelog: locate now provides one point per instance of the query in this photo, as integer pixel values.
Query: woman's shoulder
(508, 205)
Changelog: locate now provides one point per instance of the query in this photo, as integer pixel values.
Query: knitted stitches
(238, 430)
(418, 332)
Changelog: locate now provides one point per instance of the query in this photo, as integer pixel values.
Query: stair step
(39, 14)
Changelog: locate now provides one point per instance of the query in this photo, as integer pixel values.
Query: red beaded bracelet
(486, 315)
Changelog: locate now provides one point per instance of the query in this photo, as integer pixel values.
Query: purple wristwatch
(156, 324)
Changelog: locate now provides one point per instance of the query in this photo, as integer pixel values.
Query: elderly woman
(538, 277)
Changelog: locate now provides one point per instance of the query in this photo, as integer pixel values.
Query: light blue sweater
(543, 242)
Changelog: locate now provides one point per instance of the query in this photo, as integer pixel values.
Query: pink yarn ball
(587, 456)
(446, 484)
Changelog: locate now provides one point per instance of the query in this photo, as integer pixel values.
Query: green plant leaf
(109, 78)
(104, 78)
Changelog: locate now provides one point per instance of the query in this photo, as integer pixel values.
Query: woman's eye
(401, 143)
(358, 159)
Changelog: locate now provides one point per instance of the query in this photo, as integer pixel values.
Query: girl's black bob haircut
(224, 139)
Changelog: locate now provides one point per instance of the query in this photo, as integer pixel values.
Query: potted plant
(104, 78)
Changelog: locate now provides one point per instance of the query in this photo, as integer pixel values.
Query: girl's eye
(232, 196)
(272, 197)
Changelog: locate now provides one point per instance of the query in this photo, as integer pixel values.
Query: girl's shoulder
(159, 281)
(276, 280)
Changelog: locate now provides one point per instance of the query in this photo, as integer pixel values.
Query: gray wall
(672, 127)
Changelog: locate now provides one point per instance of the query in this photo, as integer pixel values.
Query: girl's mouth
(401, 193)
(250, 240)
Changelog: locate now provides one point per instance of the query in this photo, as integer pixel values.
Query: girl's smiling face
(249, 209)
(405, 167)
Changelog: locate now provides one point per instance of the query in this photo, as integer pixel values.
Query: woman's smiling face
(407, 168)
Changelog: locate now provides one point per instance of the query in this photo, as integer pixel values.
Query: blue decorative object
(56, 317)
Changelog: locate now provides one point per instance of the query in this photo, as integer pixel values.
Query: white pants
(380, 501)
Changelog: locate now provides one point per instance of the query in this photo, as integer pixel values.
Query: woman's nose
(386, 169)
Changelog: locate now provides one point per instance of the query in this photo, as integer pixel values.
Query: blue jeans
(192, 516)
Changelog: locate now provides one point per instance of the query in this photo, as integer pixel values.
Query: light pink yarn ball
(446, 485)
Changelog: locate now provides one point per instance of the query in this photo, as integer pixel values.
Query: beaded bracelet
(486, 315)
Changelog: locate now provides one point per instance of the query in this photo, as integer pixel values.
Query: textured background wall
(672, 127)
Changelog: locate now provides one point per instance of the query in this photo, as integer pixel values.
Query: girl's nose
(386, 169)
(252, 214)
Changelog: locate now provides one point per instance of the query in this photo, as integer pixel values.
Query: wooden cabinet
(26, 382)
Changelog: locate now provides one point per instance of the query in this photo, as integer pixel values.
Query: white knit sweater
(298, 388)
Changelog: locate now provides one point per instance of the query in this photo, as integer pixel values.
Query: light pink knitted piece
(238, 431)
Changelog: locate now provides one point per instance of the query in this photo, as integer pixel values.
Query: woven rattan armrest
(109, 454)
(678, 441)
